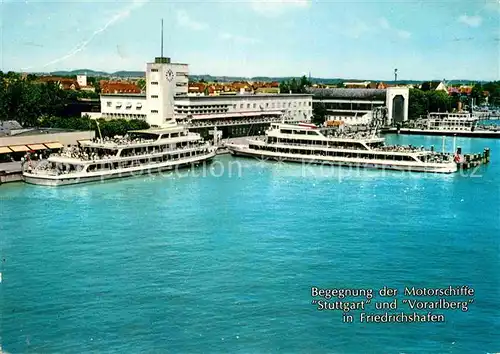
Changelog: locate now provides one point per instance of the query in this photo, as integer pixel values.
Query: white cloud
(403, 34)
(356, 29)
(238, 39)
(184, 20)
(471, 21)
(124, 13)
(493, 5)
(384, 23)
(272, 8)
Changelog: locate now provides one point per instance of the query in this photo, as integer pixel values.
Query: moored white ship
(140, 152)
(305, 143)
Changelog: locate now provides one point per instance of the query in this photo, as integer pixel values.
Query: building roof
(65, 82)
(131, 95)
(239, 97)
(347, 93)
(119, 87)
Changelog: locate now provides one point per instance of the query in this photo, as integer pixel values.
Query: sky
(356, 39)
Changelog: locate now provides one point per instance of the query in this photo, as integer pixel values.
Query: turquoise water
(225, 261)
(489, 122)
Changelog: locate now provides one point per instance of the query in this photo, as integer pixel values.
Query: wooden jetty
(468, 161)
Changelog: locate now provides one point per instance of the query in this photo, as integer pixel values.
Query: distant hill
(210, 78)
(122, 74)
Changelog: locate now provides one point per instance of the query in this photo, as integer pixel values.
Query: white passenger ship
(139, 152)
(307, 144)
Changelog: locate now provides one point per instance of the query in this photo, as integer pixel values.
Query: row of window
(299, 132)
(136, 163)
(324, 143)
(159, 148)
(359, 155)
(275, 105)
(124, 115)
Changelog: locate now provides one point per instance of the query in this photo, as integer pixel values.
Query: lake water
(223, 259)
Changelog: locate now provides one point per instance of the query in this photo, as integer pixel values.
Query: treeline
(423, 101)
(25, 99)
(108, 127)
(490, 90)
(295, 86)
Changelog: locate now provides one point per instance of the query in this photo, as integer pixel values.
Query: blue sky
(424, 39)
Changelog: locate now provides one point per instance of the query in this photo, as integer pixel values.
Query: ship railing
(55, 171)
(318, 146)
(83, 156)
(234, 122)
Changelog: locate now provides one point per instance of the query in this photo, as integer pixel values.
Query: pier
(10, 172)
(441, 132)
(473, 160)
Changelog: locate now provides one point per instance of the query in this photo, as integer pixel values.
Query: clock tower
(164, 81)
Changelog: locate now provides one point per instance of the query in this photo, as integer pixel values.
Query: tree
(426, 86)
(422, 102)
(304, 83)
(319, 113)
(284, 87)
(418, 104)
(439, 101)
(141, 83)
(295, 86)
(477, 94)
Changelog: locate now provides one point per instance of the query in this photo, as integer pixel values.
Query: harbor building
(355, 106)
(167, 98)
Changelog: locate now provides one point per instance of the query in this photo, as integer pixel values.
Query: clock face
(169, 75)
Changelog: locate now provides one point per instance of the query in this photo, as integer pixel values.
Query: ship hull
(62, 180)
(244, 151)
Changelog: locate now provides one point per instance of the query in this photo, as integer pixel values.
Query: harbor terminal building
(357, 105)
(166, 97)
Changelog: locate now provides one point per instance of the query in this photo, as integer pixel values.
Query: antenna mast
(162, 38)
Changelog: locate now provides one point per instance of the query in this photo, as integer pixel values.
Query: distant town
(134, 100)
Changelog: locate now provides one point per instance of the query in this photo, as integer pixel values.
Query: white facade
(131, 106)
(164, 81)
(296, 106)
(167, 98)
(393, 93)
(82, 80)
